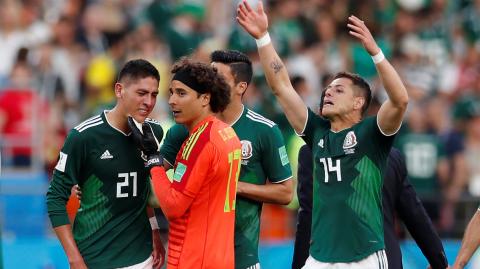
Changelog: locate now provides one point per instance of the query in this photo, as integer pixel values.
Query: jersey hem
(353, 259)
(383, 133)
(59, 220)
(302, 133)
(111, 264)
(282, 180)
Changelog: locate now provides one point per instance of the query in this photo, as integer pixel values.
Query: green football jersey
(422, 153)
(111, 228)
(347, 220)
(263, 157)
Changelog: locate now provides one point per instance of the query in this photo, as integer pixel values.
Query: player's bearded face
(139, 97)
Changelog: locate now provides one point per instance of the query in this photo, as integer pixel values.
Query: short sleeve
(378, 136)
(67, 173)
(313, 123)
(277, 166)
(173, 141)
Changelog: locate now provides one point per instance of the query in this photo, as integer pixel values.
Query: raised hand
(254, 22)
(359, 30)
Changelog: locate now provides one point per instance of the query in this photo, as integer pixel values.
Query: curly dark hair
(207, 80)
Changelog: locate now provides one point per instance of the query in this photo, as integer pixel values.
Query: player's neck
(340, 123)
(232, 113)
(117, 119)
(192, 125)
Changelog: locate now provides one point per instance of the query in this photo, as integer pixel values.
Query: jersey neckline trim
(239, 116)
(109, 124)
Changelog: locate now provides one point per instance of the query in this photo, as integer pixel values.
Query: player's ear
(205, 98)
(358, 102)
(119, 90)
(242, 87)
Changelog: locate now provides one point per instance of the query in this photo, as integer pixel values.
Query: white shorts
(255, 266)
(377, 260)
(147, 264)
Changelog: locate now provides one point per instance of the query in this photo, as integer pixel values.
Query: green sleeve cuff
(59, 220)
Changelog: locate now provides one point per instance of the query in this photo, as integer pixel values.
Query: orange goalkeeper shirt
(200, 202)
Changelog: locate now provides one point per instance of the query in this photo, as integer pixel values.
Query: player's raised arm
(255, 22)
(470, 242)
(391, 112)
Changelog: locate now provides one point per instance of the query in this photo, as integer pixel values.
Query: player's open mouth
(175, 112)
(328, 103)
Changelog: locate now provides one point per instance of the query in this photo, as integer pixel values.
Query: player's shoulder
(177, 130)
(156, 127)
(221, 132)
(89, 125)
(258, 121)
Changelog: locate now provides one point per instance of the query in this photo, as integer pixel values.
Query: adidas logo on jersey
(106, 155)
(320, 143)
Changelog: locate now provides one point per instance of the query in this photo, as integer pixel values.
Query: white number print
(329, 167)
(125, 183)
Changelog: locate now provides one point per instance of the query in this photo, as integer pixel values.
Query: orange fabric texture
(200, 202)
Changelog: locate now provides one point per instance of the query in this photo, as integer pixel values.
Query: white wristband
(263, 41)
(153, 223)
(377, 58)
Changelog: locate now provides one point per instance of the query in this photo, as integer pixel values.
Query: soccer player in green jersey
(265, 174)
(349, 151)
(111, 228)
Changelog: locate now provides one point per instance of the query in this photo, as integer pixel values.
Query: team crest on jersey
(349, 142)
(247, 150)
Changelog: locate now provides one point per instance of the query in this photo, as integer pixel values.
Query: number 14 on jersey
(329, 167)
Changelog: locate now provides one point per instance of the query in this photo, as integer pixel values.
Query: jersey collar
(208, 118)
(239, 116)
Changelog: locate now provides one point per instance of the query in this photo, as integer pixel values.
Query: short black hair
(240, 64)
(138, 69)
(209, 80)
(360, 85)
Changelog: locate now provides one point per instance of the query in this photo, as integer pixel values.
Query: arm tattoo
(276, 65)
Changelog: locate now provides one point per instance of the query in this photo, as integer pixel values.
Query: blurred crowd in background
(59, 61)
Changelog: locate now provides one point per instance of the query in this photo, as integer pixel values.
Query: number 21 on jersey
(234, 158)
(125, 182)
(328, 167)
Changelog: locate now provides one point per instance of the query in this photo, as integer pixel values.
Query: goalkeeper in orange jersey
(200, 201)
